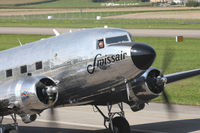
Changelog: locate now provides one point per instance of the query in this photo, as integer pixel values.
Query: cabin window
(9, 73)
(38, 65)
(23, 69)
(117, 39)
(100, 44)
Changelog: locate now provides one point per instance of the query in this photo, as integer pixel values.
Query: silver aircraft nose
(142, 55)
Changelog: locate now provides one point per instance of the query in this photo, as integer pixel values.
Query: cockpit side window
(117, 39)
(100, 44)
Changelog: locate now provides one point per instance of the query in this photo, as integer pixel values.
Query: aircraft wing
(181, 75)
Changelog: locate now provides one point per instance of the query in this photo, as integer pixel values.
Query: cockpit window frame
(127, 35)
(131, 37)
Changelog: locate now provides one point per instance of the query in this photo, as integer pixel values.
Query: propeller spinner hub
(51, 90)
(161, 80)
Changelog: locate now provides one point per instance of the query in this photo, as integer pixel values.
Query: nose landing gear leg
(116, 120)
(9, 128)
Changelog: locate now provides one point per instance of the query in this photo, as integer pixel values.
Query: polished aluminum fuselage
(66, 59)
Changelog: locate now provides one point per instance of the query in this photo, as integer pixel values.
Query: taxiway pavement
(134, 32)
(153, 119)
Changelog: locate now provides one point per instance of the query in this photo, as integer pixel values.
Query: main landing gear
(9, 128)
(116, 120)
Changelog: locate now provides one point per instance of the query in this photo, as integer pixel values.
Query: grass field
(70, 15)
(12, 2)
(68, 3)
(17, 3)
(87, 18)
(9, 41)
(59, 3)
(88, 23)
(186, 57)
(86, 13)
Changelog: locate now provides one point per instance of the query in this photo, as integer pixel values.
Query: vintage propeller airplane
(100, 66)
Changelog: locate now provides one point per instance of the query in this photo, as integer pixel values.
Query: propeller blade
(170, 109)
(53, 118)
(166, 99)
(181, 75)
(52, 111)
(52, 114)
(167, 58)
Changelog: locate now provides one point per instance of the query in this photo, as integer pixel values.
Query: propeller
(49, 93)
(52, 118)
(52, 92)
(167, 58)
(156, 79)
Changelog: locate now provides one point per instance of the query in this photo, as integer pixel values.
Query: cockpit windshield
(117, 39)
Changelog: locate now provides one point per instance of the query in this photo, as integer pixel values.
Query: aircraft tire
(120, 125)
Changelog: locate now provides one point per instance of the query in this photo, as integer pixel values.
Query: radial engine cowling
(149, 85)
(34, 92)
(29, 96)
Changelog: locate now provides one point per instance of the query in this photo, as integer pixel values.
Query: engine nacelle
(146, 86)
(28, 96)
